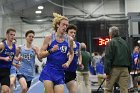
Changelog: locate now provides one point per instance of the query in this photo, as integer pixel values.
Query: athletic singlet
(73, 65)
(59, 57)
(5, 53)
(27, 63)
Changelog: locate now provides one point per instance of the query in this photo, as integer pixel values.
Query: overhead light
(39, 20)
(40, 7)
(38, 12)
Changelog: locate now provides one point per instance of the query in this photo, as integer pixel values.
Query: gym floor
(37, 86)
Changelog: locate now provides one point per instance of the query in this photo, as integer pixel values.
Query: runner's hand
(66, 65)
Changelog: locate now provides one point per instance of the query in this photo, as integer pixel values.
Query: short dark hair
(71, 27)
(28, 32)
(10, 29)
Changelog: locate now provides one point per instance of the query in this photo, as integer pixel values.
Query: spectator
(117, 62)
(83, 75)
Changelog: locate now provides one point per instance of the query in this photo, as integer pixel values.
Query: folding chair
(100, 87)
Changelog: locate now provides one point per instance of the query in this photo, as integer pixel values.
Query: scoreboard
(99, 43)
(103, 41)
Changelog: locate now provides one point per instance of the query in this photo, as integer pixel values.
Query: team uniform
(4, 65)
(70, 73)
(27, 65)
(53, 69)
(135, 66)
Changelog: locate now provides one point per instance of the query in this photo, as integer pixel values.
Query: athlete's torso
(27, 67)
(5, 53)
(59, 57)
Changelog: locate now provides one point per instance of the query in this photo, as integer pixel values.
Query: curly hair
(57, 19)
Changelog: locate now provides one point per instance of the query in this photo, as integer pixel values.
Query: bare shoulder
(47, 38)
(46, 42)
(1, 46)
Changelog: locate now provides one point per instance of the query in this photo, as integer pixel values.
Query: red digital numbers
(103, 41)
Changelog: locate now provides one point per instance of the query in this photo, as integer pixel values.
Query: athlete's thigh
(59, 88)
(22, 82)
(12, 80)
(49, 86)
(72, 86)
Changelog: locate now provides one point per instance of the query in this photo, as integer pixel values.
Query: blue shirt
(27, 66)
(135, 66)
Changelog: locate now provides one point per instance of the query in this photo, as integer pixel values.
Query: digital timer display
(99, 43)
(103, 41)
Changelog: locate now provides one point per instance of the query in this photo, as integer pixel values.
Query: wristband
(49, 51)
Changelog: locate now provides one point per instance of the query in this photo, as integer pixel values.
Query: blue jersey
(5, 53)
(73, 65)
(27, 67)
(59, 57)
(135, 66)
(53, 69)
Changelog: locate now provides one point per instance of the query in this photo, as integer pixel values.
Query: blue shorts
(27, 77)
(13, 71)
(28, 82)
(52, 74)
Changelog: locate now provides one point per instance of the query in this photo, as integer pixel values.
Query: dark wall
(89, 31)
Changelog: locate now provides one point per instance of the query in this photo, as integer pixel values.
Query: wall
(132, 6)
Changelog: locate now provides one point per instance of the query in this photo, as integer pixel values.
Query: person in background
(96, 59)
(56, 47)
(7, 53)
(83, 74)
(136, 67)
(27, 54)
(100, 69)
(36, 69)
(117, 62)
(135, 55)
(92, 65)
(13, 72)
(70, 72)
(13, 75)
